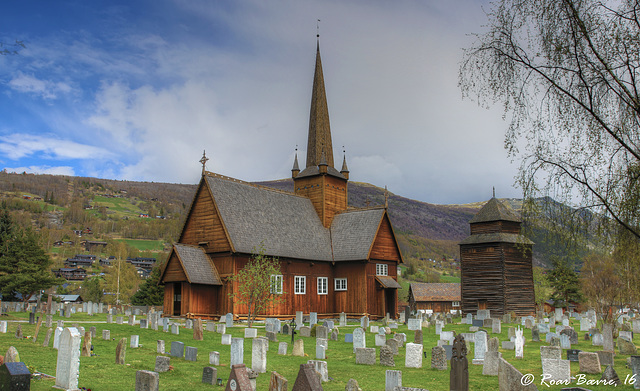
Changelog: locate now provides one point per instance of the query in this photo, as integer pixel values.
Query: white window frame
(276, 284)
(300, 285)
(455, 304)
(323, 285)
(339, 284)
(382, 269)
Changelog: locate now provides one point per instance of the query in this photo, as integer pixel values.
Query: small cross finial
(494, 192)
(203, 161)
(318, 29)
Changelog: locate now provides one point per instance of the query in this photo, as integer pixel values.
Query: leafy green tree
(151, 292)
(602, 286)
(564, 282)
(24, 265)
(566, 74)
(92, 289)
(257, 284)
(541, 287)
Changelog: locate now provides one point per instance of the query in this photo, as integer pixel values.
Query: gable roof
(196, 264)
(287, 225)
(495, 210)
(435, 291)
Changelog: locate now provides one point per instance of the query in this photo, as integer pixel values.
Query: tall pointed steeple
(319, 128)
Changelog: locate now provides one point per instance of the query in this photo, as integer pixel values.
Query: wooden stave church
(497, 264)
(311, 230)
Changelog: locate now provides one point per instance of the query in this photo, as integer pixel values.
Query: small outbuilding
(437, 297)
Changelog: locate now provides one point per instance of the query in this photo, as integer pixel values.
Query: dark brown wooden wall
(354, 299)
(384, 246)
(204, 224)
(511, 227)
(518, 276)
(482, 277)
(173, 271)
(328, 195)
(167, 308)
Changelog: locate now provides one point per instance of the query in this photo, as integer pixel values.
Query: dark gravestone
(348, 338)
(459, 374)
(572, 354)
(407, 314)
(610, 376)
(14, 376)
(286, 329)
(190, 353)
(177, 349)
(477, 323)
(209, 375)
(307, 379)
(448, 349)
(32, 318)
(239, 379)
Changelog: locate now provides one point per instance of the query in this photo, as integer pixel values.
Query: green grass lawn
(449, 279)
(100, 372)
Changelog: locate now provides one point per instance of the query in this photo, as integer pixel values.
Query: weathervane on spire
(318, 29)
(494, 192)
(204, 160)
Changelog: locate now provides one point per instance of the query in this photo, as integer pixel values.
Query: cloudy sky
(138, 89)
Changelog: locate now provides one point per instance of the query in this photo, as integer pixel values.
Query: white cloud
(46, 89)
(16, 146)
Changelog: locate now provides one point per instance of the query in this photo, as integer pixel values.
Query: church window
(455, 304)
(276, 284)
(382, 269)
(323, 287)
(340, 284)
(300, 285)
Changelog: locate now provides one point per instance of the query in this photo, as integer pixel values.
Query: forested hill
(425, 231)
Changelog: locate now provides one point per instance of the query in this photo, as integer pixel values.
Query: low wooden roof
(197, 265)
(435, 291)
(388, 282)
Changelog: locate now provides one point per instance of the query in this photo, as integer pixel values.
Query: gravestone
(343, 319)
(573, 335)
(144, 324)
(416, 324)
(86, 345)
(626, 347)
(535, 334)
(496, 327)
(509, 378)
(491, 363)
(607, 337)
(307, 379)
(214, 358)
(191, 353)
(277, 382)
(366, 356)
(635, 370)
(197, 329)
(352, 385)
(14, 376)
(175, 329)
(313, 318)
(229, 320)
(565, 341)
(519, 343)
(177, 349)
(321, 349)
(305, 331)
(299, 319)
(209, 375)
(147, 381)
(572, 355)
(282, 348)
(589, 362)
(480, 347)
(3, 327)
(606, 358)
(250, 332)
(68, 362)
(393, 380)
(556, 370)
(321, 369)
(459, 374)
(259, 355)
(413, 355)
(121, 351)
(393, 345)
(19, 332)
(438, 358)
(160, 347)
(237, 351)
(188, 324)
(221, 328)
(12, 355)
(610, 376)
(56, 337)
(298, 348)
(322, 332)
(359, 340)
(597, 340)
(364, 322)
(135, 341)
(550, 352)
(47, 338)
(386, 357)
(162, 364)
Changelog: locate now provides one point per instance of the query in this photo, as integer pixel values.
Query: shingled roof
(495, 210)
(496, 237)
(287, 225)
(435, 291)
(197, 265)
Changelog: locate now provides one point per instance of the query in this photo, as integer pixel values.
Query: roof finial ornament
(204, 160)
(494, 192)
(318, 29)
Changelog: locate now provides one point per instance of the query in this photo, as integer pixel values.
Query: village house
(434, 297)
(333, 258)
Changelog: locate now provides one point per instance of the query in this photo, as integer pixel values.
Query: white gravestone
(68, 364)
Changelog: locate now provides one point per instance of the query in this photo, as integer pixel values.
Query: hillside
(113, 209)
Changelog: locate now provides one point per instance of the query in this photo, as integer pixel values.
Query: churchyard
(98, 370)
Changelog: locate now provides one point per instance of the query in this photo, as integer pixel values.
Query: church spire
(319, 129)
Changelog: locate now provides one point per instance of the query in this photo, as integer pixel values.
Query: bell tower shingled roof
(319, 128)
